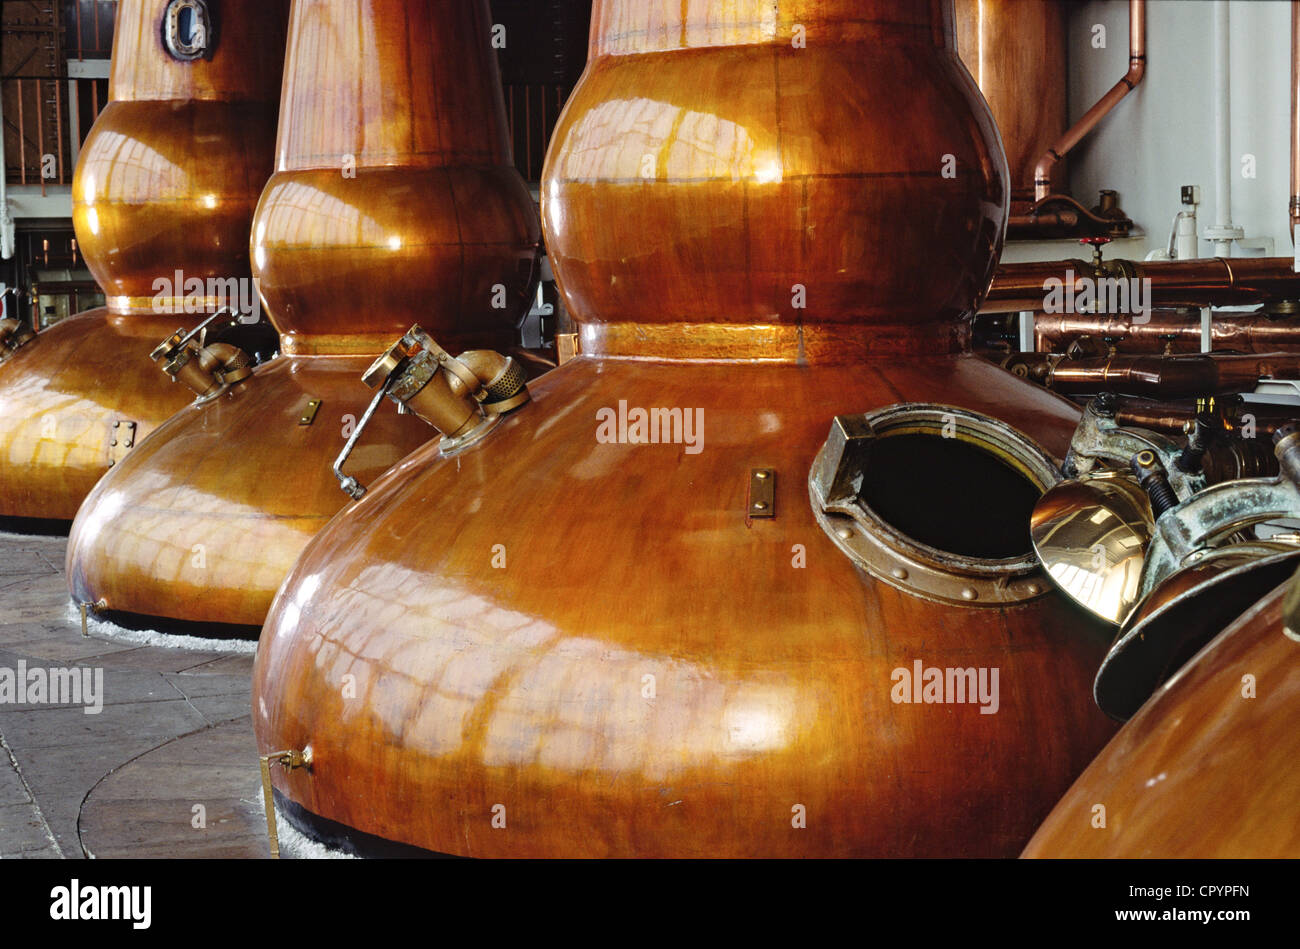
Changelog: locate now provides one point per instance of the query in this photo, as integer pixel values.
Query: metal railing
(532, 112)
(92, 28)
(45, 122)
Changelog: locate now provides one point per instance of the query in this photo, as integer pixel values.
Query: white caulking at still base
(295, 845)
(111, 632)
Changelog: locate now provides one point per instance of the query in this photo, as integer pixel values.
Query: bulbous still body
(393, 202)
(587, 637)
(165, 186)
(1207, 769)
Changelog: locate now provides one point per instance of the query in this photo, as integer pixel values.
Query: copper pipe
(1063, 219)
(40, 134)
(1172, 417)
(22, 138)
(1242, 332)
(1168, 377)
(1210, 281)
(1137, 62)
(1294, 208)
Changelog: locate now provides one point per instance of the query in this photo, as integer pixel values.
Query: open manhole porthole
(935, 500)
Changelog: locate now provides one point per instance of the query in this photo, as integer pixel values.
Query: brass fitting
(14, 335)
(209, 370)
(290, 760)
(463, 398)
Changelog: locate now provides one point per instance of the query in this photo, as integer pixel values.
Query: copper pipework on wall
(1137, 19)
(1213, 281)
(1172, 418)
(1169, 331)
(1164, 377)
(1052, 219)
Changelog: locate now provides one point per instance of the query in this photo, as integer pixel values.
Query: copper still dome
(393, 200)
(166, 184)
(678, 605)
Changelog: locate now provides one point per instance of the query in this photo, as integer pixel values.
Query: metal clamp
(1213, 516)
(1101, 442)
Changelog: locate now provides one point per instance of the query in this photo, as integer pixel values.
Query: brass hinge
(122, 442)
(762, 493)
(309, 413)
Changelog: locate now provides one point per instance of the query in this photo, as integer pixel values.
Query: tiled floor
(119, 783)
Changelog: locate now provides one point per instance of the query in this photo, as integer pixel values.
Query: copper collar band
(823, 344)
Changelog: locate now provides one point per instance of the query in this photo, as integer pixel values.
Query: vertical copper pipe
(1137, 64)
(22, 138)
(58, 127)
(40, 134)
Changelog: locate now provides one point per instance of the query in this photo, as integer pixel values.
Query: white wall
(1161, 136)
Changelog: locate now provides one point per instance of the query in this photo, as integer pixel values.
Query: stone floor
(119, 783)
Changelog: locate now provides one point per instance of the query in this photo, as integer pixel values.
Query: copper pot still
(1015, 50)
(394, 200)
(581, 638)
(1208, 768)
(163, 196)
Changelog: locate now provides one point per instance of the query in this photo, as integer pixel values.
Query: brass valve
(462, 397)
(13, 337)
(211, 369)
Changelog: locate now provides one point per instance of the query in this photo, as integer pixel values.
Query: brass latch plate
(762, 492)
(309, 413)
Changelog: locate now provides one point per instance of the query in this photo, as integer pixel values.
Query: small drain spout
(86, 608)
(289, 760)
